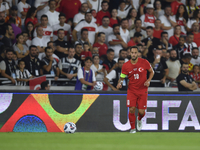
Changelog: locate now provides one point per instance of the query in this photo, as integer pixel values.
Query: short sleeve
(180, 78)
(75, 20)
(17, 74)
(80, 74)
(20, 8)
(124, 69)
(3, 65)
(109, 38)
(147, 64)
(142, 19)
(93, 76)
(42, 63)
(111, 75)
(28, 73)
(78, 26)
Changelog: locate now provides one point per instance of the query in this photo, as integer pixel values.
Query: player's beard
(135, 58)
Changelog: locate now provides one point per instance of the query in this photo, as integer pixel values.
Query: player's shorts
(137, 100)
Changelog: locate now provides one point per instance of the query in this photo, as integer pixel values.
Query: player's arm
(191, 86)
(151, 74)
(120, 81)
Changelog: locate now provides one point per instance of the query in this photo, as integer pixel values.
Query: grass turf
(100, 141)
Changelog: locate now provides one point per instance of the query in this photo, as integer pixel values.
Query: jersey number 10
(136, 76)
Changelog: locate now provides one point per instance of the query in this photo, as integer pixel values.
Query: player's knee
(132, 110)
(141, 111)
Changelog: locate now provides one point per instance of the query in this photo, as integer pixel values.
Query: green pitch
(100, 141)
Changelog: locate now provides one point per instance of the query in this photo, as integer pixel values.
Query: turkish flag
(35, 82)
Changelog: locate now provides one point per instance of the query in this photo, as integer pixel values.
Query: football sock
(132, 120)
(140, 116)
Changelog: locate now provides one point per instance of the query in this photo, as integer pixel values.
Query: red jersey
(157, 33)
(86, 54)
(100, 16)
(34, 21)
(174, 6)
(112, 22)
(102, 48)
(174, 40)
(137, 74)
(197, 39)
(131, 43)
(195, 77)
(70, 7)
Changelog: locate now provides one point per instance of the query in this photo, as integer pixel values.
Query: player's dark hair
(134, 47)
(149, 27)
(137, 34)
(121, 59)
(184, 64)
(189, 33)
(104, 2)
(106, 17)
(182, 37)
(20, 61)
(46, 48)
(195, 48)
(163, 33)
(60, 30)
(100, 33)
(195, 66)
(82, 30)
(109, 50)
(95, 56)
(157, 20)
(12, 20)
(44, 84)
(116, 25)
(7, 27)
(51, 1)
(137, 20)
(124, 19)
(49, 43)
(32, 46)
(62, 15)
(89, 12)
(78, 44)
(9, 50)
(86, 43)
(44, 16)
(122, 50)
(168, 6)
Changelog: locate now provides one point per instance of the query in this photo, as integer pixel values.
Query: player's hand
(70, 76)
(51, 58)
(147, 83)
(119, 86)
(13, 81)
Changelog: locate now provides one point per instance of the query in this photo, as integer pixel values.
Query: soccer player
(136, 70)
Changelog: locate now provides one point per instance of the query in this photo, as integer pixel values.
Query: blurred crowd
(90, 40)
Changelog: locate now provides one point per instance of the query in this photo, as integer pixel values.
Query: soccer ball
(70, 127)
(98, 86)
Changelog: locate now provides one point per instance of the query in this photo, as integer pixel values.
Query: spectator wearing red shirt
(70, 7)
(113, 19)
(30, 17)
(157, 30)
(102, 47)
(195, 74)
(174, 40)
(86, 52)
(135, 40)
(103, 12)
(195, 31)
(174, 6)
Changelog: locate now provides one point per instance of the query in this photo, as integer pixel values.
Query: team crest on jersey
(141, 69)
(135, 69)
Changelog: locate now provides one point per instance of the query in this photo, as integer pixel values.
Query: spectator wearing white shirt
(42, 7)
(4, 7)
(86, 24)
(62, 25)
(122, 13)
(168, 22)
(105, 27)
(116, 42)
(189, 45)
(122, 54)
(47, 30)
(53, 16)
(22, 10)
(195, 56)
(94, 4)
(148, 19)
(123, 30)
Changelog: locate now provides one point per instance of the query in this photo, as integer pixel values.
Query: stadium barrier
(95, 112)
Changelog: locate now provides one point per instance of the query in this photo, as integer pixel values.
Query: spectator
(32, 63)
(174, 5)
(195, 18)
(52, 14)
(196, 75)
(122, 13)
(168, 21)
(22, 75)
(102, 47)
(195, 31)
(20, 49)
(70, 8)
(31, 17)
(4, 7)
(132, 15)
(30, 30)
(42, 7)
(151, 41)
(138, 28)
(164, 41)
(115, 40)
(182, 19)
(109, 63)
(58, 5)
(26, 42)
(148, 19)
(81, 15)
(49, 64)
(129, 5)
(175, 38)
(105, 27)
(158, 9)
(157, 30)
(69, 65)
(23, 8)
(8, 67)
(114, 18)
(84, 38)
(164, 53)
(13, 14)
(122, 54)
(100, 71)
(115, 75)
(191, 7)
(85, 77)
(173, 65)
(45, 85)
(62, 46)
(123, 30)
(86, 52)
(195, 56)
(184, 80)
(78, 50)
(143, 6)
(95, 51)
(160, 68)
(62, 25)
(86, 24)
(47, 30)
(180, 47)
(189, 43)
(8, 35)
(103, 12)
(186, 59)
(93, 4)
(2, 24)
(135, 40)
